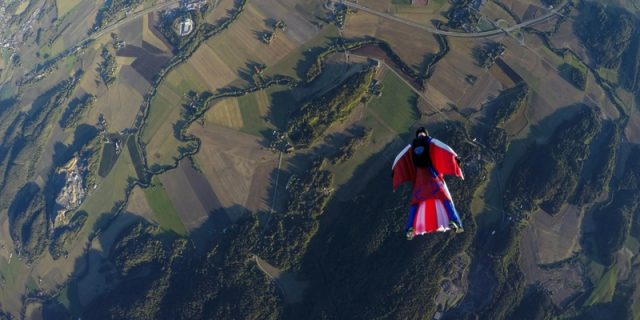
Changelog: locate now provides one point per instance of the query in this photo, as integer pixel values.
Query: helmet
(422, 130)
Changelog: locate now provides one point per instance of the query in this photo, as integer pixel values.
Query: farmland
(397, 105)
(161, 205)
(240, 159)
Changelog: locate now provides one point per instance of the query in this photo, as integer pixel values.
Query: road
(165, 5)
(484, 34)
(108, 29)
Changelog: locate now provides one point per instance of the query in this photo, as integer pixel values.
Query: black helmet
(422, 130)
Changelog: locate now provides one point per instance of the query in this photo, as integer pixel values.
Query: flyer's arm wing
(403, 169)
(444, 159)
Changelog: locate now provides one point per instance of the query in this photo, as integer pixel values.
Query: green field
(158, 112)
(64, 6)
(603, 292)
(405, 2)
(572, 60)
(380, 136)
(10, 271)
(109, 191)
(397, 105)
(69, 298)
(253, 122)
(107, 159)
(163, 208)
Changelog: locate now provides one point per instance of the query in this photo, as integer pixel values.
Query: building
(185, 27)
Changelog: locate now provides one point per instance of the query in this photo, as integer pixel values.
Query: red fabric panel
(404, 170)
(431, 216)
(444, 160)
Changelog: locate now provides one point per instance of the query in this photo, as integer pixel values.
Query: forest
(314, 117)
(548, 174)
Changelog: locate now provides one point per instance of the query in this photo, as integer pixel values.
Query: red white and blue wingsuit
(424, 163)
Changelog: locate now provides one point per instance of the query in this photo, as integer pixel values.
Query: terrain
(230, 158)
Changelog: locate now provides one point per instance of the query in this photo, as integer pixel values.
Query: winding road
(484, 34)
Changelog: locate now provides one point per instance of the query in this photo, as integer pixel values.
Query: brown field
(546, 26)
(131, 32)
(542, 77)
(80, 21)
(33, 310)
(91, 58)
(191, 195)
(380, 5)
(549, 239)
(119, 105)
(450, 73)
(243, 37)
(226, 113)
(151, 36)
(220, 11)
(632, 131)
(138, 205)
(233, 163)
(562, 282)
(486, 85)
(519, 8)
(208, 65)
(555, 237)
(411, 49)
(566, 38)
(296, 14)
(130, 77)
(539, 68)
(494, 12)
(164, 103)
(422, 15)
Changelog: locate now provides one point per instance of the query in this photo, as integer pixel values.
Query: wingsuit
(424, 163)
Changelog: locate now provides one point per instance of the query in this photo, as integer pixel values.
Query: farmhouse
(186, 26)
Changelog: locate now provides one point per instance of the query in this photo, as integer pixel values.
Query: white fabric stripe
(443, 218)
(446, 190)
(443, 146)
(420, 227)
(399, 156)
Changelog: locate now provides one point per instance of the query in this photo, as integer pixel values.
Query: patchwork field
(412, 50)
(448, 84)
(233, 163)
(192, 197)
(161, 204)
(244, 36)
(139, 205)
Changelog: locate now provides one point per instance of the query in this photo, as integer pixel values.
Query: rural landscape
(231, 159)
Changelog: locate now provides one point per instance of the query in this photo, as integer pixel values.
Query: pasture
(225, 112)
(397, 105)
(605, 288)
(165, 212)
(64, 6)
